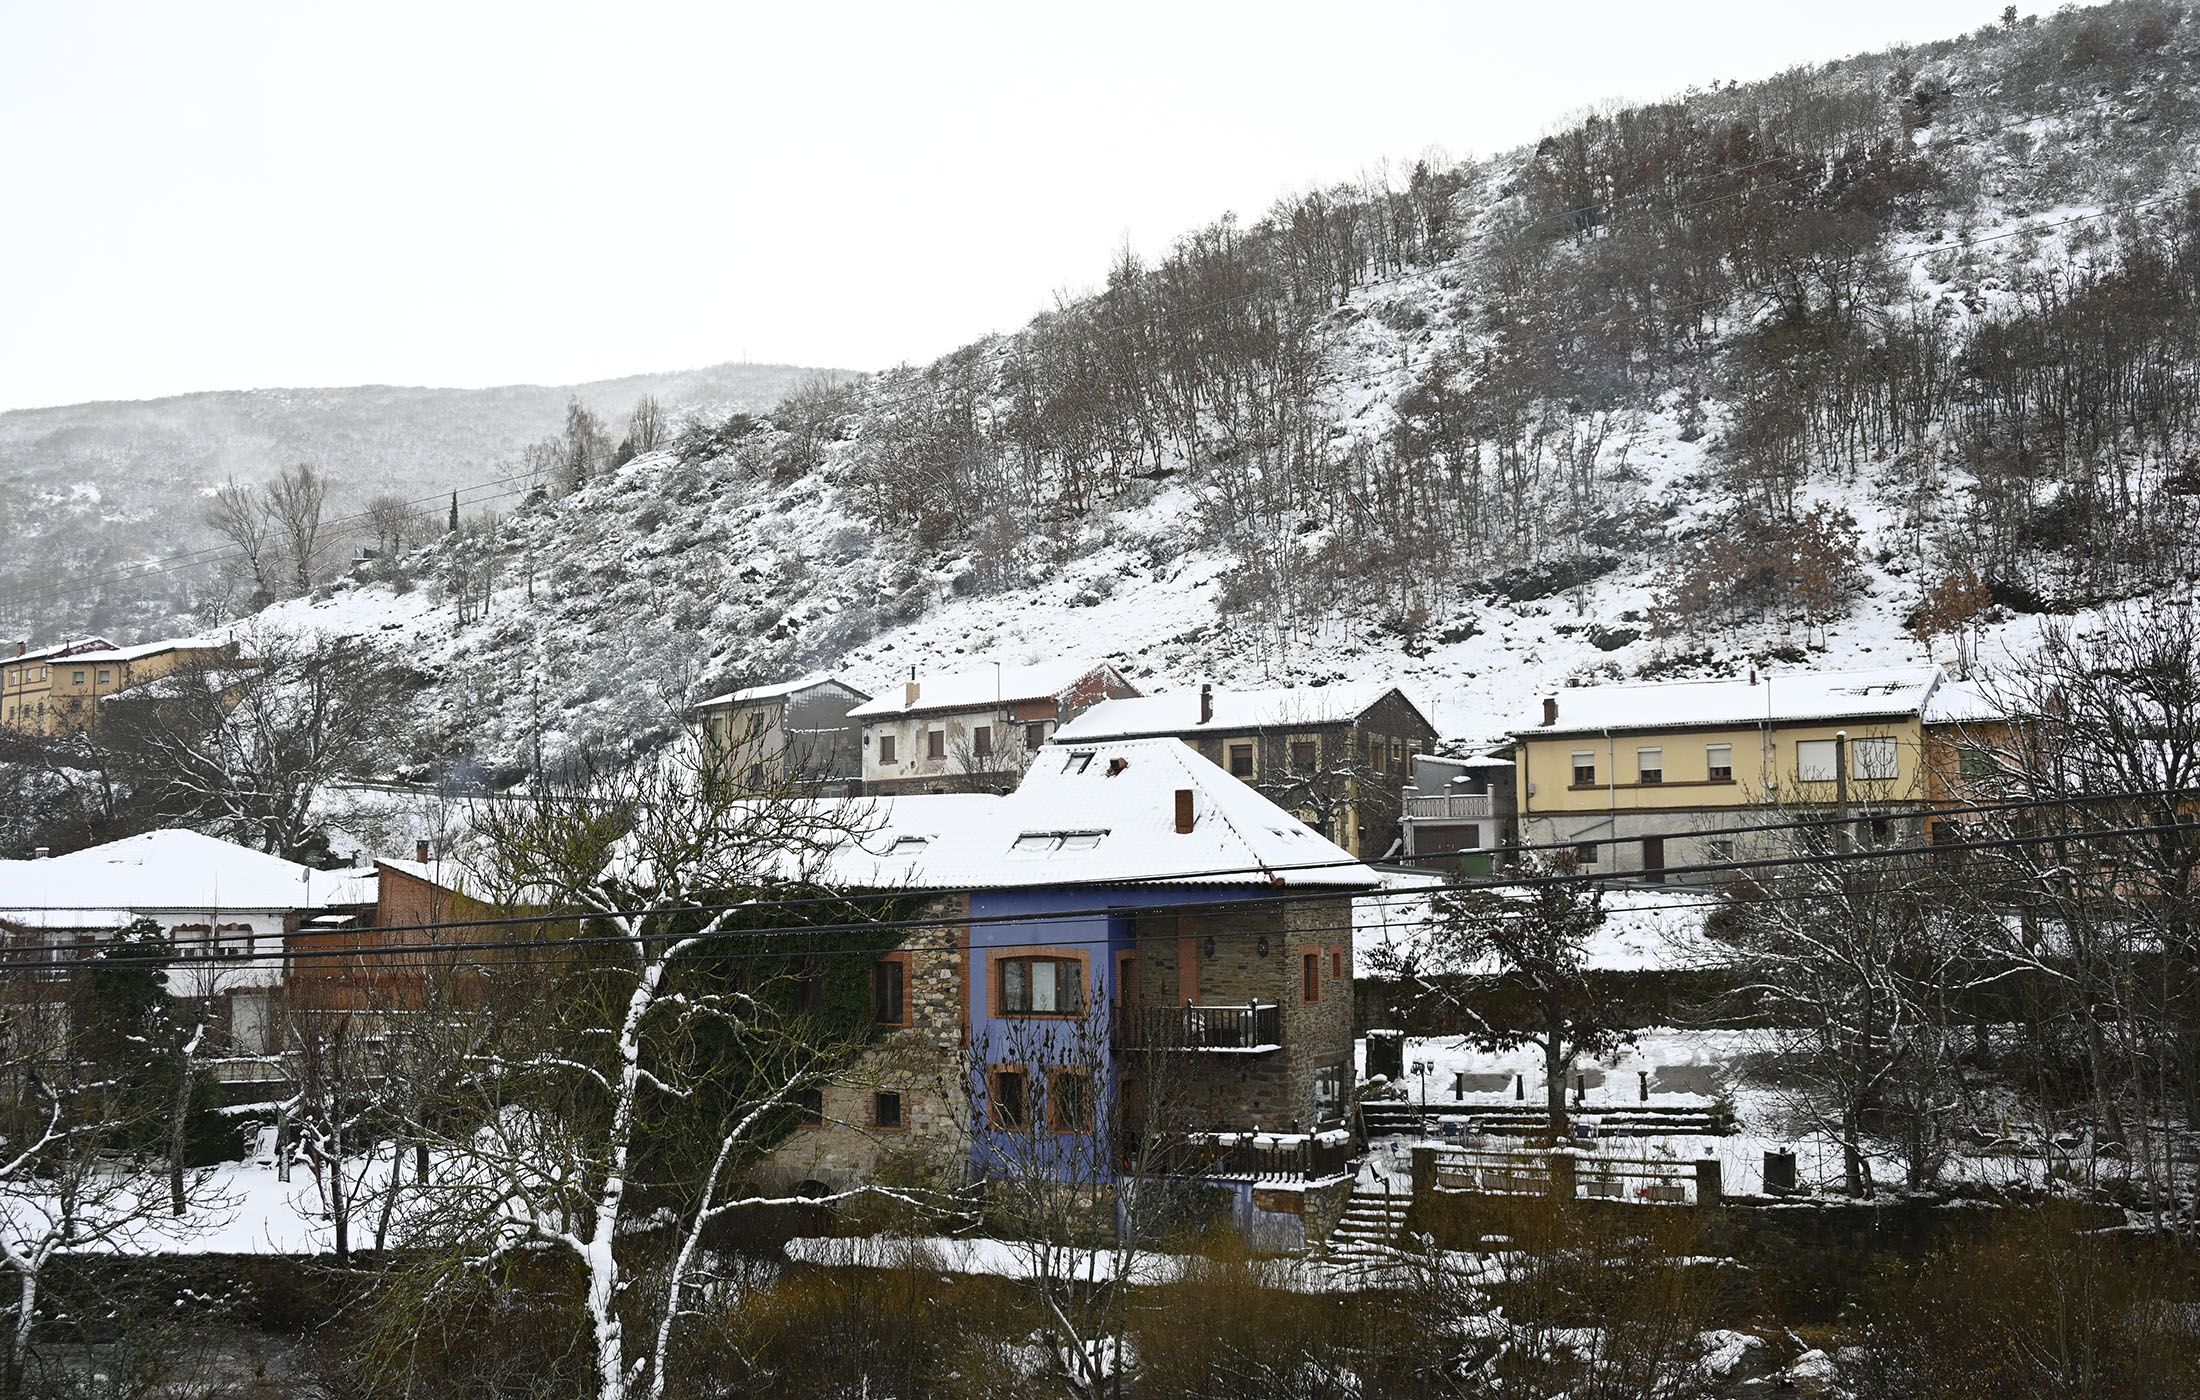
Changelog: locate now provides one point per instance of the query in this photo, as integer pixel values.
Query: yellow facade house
(56, 690)
(1641, 779)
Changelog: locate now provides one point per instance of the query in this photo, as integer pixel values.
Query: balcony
(1448, 807)
(1250, 1028)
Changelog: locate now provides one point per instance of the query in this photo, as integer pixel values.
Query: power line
(1243, 903)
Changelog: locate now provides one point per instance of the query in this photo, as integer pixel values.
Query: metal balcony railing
(1448, 807)
(1253, 1026)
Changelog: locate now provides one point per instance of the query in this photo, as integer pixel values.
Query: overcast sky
(205, 195)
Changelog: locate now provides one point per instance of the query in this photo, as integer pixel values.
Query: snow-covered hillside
(2015, 162)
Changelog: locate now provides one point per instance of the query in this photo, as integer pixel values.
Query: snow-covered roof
(357, 885)
(64, 648)
(1962, 702)
(160, 870)
(981, 689)
(114, 655)
(1791, 697)
(67, 918)
(1177, 711)
(1102, 813)
(751, 694)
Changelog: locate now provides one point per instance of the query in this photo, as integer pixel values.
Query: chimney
(912, 690)
(420, 850)
(1550, 709)
(1206, 703)
(41, 853)
(1184, 811)
(1117, 765)
(1752, 675)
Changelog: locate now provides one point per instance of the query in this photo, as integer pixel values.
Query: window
(77, 679)
(1040, 986)
(1814, 761)
(1035, 735)
(756, 724)
(1874, 760)
(1719, 849)
(1585, 769)
(1650, 765)
(1241, 760)
(886, 1110)
(1078, 761)
(105, 676)
(1310, 976)
(981, 741)
(1975, 762)
(1057, 841)
(1006, 1105)
(908, 845)
(1881, 831)
(1069, 1100)
(810, 1107)
(1336, 964)
(1380, 753)
(935, 744)
(1585, 853)
(1718, 762)
(885, 749)
(1304, 755)
(890, 990)
(1329, 1092)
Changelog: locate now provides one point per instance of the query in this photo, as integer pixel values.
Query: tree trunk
(19, 1345)
(1554, 1090)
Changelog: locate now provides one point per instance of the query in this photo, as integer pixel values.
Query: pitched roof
(1798, 696)
(1177, 712)
(171, 869)
(1103, 813)
(115, 654)
(754, 693)
(980, 689)
(64, 648)
(1964, 702)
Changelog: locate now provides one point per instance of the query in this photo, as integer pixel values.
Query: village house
(347, 958)
(975, 730)
(797, 733)
(58, 690)
(1635, 779)
(1460, 813)
(1150, 946)
(1336, 756)
(225, 908)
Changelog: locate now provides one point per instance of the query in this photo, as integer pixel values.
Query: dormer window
(1079, 760)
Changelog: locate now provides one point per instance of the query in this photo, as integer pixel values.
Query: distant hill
(89, 490)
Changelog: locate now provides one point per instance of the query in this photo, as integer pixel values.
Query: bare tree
(294, 502)
(395, 522)
(646, 430)
(239, 515)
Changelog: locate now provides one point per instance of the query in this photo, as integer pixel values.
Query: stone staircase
(1390, 1118)
(1368, 1233)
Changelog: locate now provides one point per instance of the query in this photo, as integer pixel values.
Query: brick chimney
(1184, 813)
(420, 850)
(1550, 709)
(1206, 704)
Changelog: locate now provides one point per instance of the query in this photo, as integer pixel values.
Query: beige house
(795, 732)
(1634, 779)
(56, 690)
(975, 730)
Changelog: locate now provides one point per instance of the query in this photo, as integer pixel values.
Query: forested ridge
(1905, 341)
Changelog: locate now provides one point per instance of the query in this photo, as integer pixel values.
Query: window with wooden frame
(981, 741)
(1305, 755)
(1310, 975)
(1039, 985)
(886, 1110)
(810, 1108)
(1379, 753)
(1240, 760)
(890, 990)
(1007, 1099)
(1585, 769)
(1069, 1100)
(1336, 964)
(1035, 735)
(935, 744)
(885, 749)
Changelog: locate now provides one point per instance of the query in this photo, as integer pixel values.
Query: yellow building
(1638, 779)
(56, 690)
